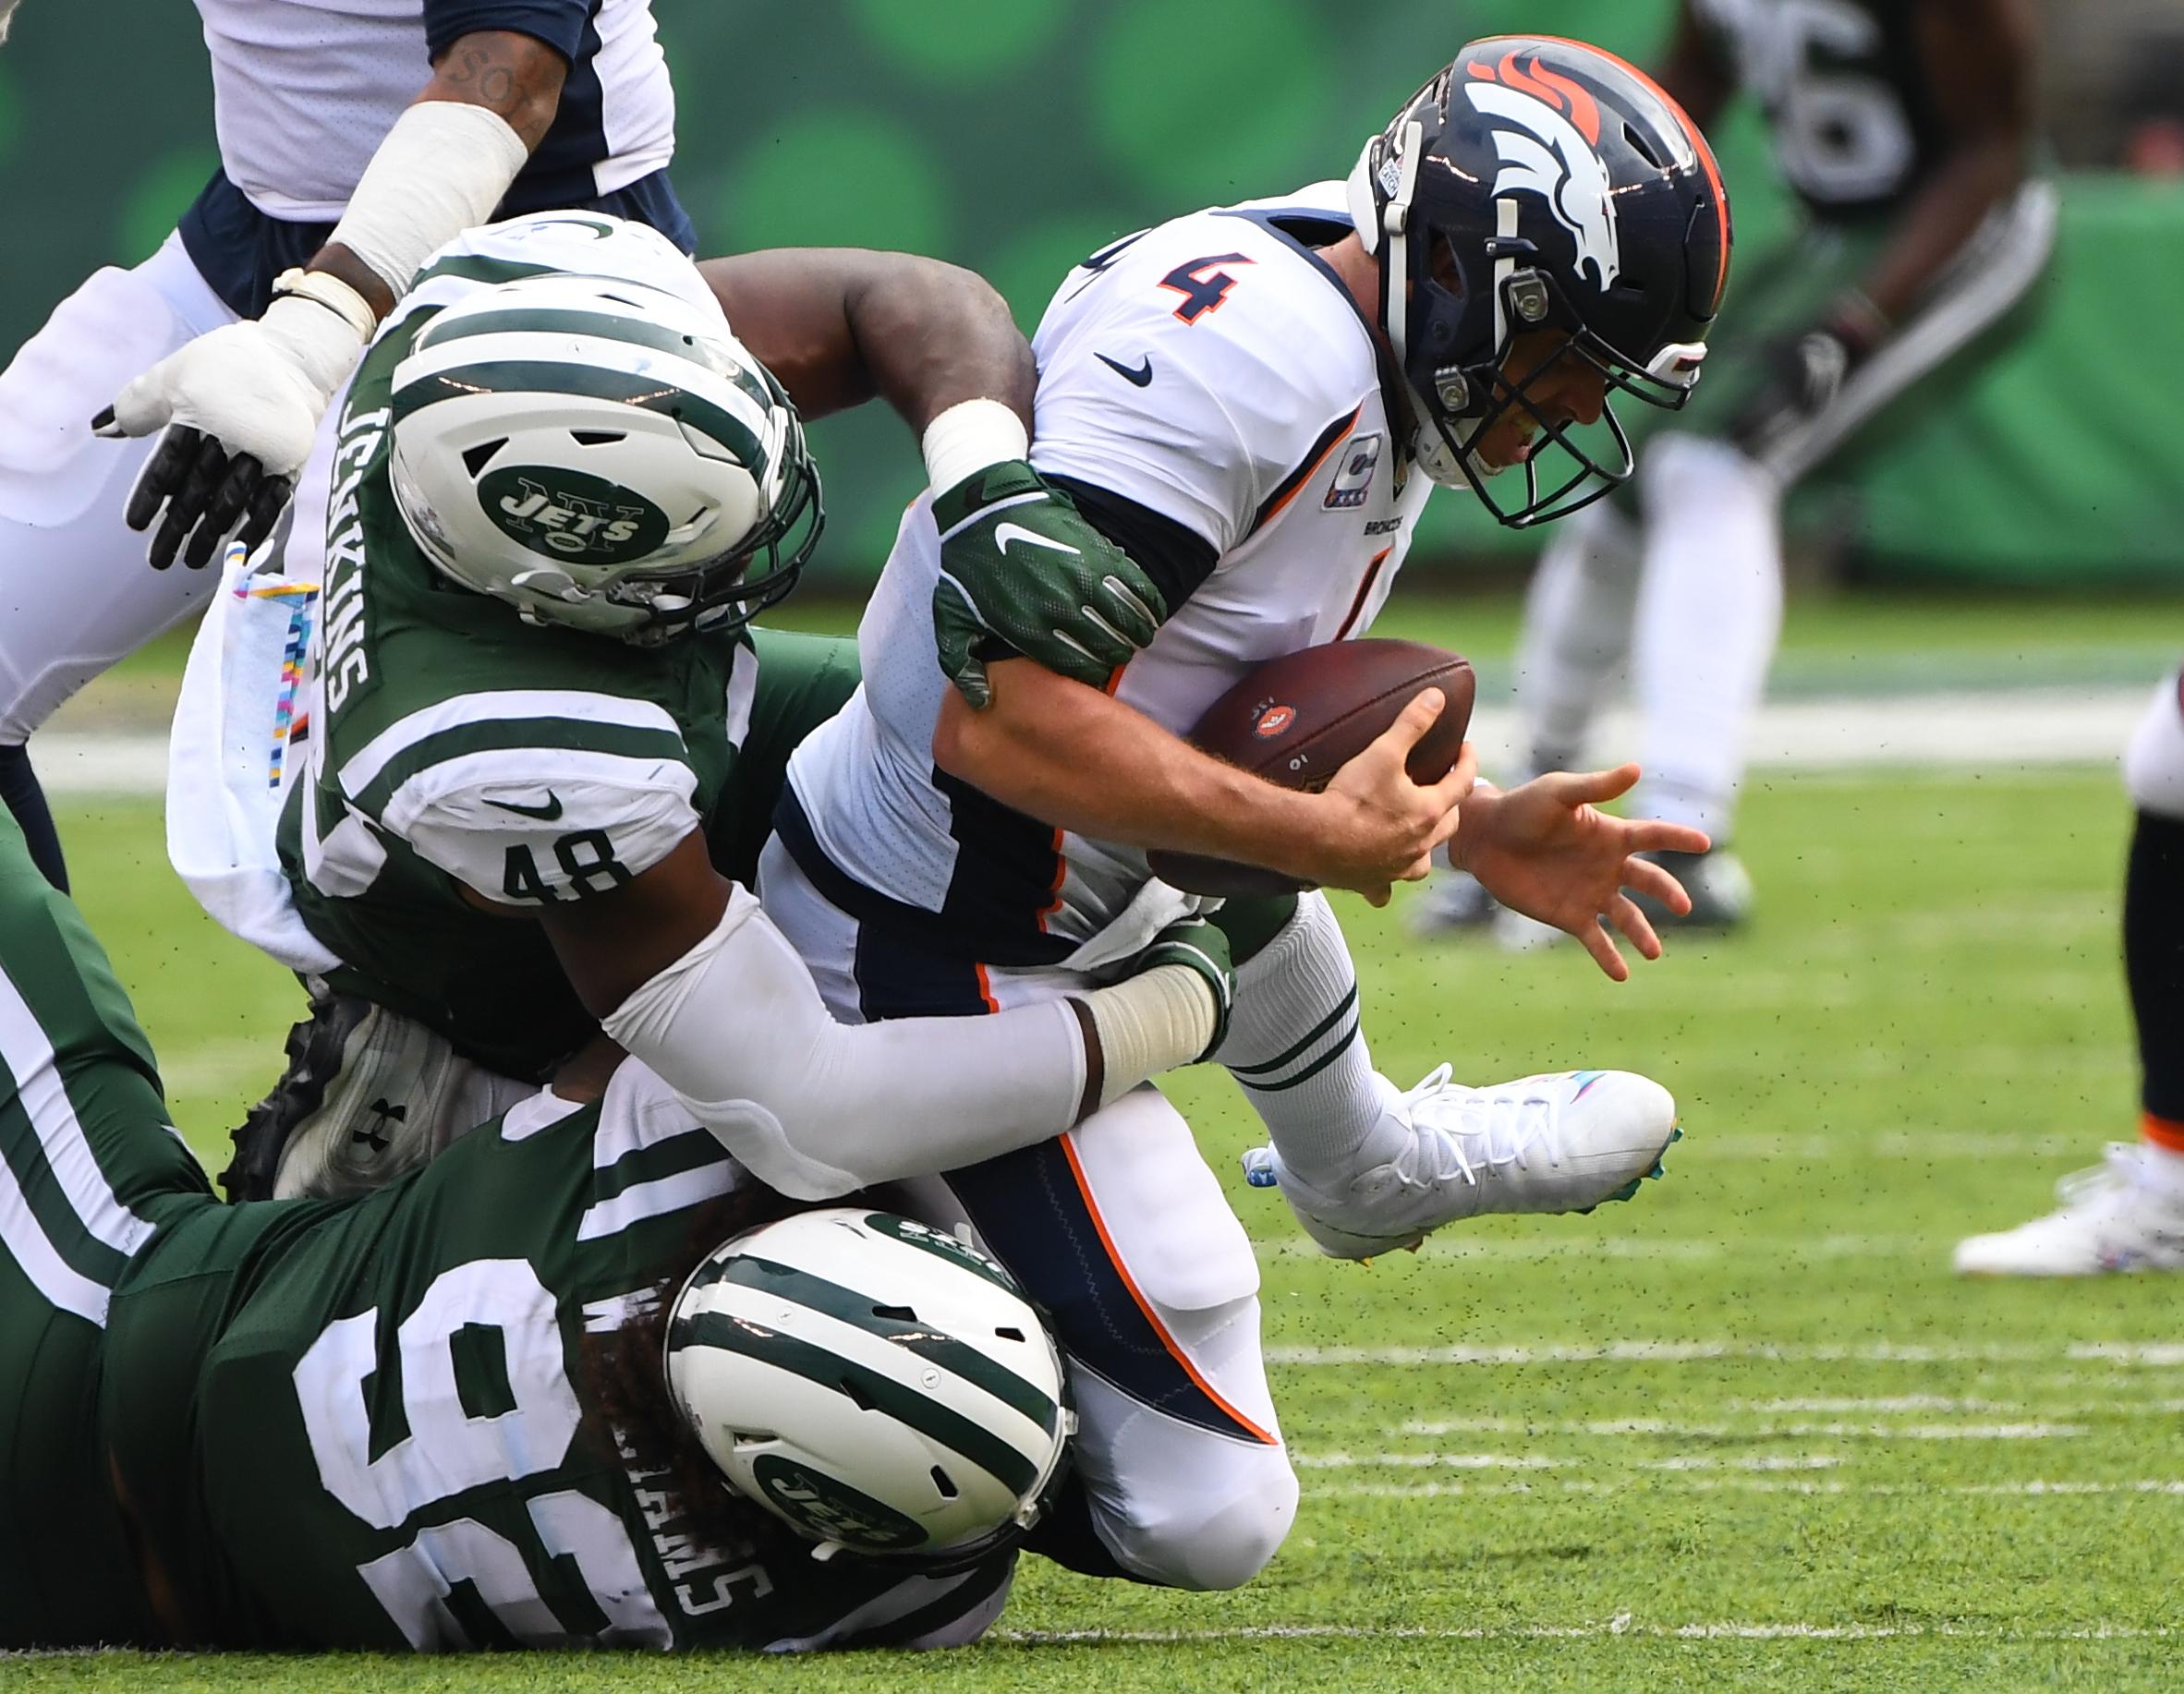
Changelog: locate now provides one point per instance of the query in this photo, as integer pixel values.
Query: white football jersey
(304, 91)
(1215, 370)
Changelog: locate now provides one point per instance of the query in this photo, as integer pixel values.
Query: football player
(2127, 1215)
(338, 176)
(440, 1418)
(546, 744)
(1907, 132)
(1256, 401)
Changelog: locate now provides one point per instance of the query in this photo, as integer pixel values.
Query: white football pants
(76, 593)
(1120, 1232)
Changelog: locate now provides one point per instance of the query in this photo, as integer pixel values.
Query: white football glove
(240, 406)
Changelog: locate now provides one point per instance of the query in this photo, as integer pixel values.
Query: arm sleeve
(738, 1020)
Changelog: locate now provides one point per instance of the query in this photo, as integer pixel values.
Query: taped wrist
(969, 436)
(442, 168)
(816, 1108)
(1155, 1021)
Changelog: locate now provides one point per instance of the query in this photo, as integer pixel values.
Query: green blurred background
(1015, 136)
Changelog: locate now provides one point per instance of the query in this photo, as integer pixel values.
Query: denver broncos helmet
(1541, 183)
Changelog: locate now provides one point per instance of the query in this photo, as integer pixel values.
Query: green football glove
(1022, 572)
(1199, 944)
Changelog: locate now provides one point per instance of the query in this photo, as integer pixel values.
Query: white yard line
(1646, 1428)
(2156, 1355)
(1998, 730)
(1686, 1483)
(1622, 1626)
(1526, 1249)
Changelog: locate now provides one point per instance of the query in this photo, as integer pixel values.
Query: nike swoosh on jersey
(545, 813)
(1016, 532)
(1137, 377)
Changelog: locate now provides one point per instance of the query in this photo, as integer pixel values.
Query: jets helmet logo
(1546, 137)
(569, 515)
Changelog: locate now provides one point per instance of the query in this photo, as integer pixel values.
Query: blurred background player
(355, 138)
(1907, 131)
(2128, 1213)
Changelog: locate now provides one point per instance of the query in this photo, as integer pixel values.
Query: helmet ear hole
(477, 458)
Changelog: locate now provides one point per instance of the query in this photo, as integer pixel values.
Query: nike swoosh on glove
(1023, 573)
(240, 406)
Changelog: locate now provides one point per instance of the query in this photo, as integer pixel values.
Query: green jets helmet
(874, 1383)
(602, 454)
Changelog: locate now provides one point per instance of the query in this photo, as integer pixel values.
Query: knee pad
(1218, 1530)
(2154, 761)
(1228, 1544)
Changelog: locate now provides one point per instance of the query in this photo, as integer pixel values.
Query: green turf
(1827, 1431)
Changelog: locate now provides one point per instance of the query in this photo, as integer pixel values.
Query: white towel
(231, 759)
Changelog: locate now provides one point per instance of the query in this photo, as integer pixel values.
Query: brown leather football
(1299, 719)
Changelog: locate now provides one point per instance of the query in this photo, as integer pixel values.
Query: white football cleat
(1561, 1143)
(2114, 1217)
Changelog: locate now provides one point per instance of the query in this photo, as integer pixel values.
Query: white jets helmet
(602, 454)
(874, 1383)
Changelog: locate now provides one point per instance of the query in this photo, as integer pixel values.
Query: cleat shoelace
(1503, 1129)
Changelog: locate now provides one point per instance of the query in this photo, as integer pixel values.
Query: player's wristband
(969, 436)
(328, 290)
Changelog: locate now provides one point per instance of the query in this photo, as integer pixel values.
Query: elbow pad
(816, 1108)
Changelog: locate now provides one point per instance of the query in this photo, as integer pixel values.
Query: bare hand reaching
(1543, 850)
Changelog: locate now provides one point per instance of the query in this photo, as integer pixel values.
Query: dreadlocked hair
(622, 1374)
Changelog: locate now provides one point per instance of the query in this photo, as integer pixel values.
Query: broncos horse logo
(1552, 151)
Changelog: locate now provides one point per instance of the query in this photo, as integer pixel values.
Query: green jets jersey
(376, 1424)
(1848, 105)
(465, 755)
(373, 1424)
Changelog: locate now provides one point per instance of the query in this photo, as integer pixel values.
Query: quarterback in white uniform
(1255, 403)
(356, 136)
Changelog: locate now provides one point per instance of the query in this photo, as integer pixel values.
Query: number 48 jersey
(1211, 382)
(465, 755)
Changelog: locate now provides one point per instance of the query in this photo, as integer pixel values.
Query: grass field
(1746, 1431)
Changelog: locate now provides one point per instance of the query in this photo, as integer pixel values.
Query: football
(1299, 719)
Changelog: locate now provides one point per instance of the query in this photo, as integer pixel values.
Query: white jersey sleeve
(1202, 369)
(526, 819)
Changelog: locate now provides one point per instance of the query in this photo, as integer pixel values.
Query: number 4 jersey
(1210, 393)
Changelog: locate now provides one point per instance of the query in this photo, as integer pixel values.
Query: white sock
(1709, 610)
(1577, 632)
(1295, 1047)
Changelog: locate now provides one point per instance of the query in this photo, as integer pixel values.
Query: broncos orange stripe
(1175, 1351)
(1699, 145)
